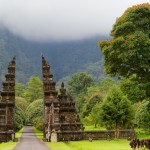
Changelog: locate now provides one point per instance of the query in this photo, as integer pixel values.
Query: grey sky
(61, 20)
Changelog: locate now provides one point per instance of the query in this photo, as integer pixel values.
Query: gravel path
(29, 141)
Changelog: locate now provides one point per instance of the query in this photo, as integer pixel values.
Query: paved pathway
(29, 141)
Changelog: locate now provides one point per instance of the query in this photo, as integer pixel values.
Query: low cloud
(61, 20)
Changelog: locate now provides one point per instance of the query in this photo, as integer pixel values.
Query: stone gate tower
(7, 105)
(60, 120)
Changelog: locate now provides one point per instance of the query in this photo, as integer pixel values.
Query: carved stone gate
(60, 120)
(7, 105)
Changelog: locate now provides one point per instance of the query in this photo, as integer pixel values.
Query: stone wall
(94, 135)
(108, 135)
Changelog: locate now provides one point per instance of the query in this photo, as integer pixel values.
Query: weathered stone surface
(59, 110)
(7, 104)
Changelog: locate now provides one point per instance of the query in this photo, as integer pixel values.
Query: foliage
(19, 88)
(80, 101)
(34, 111)
(39, 124)
(79, 83)
(92, 128)
(128, 52)
(34, 89)
(143, 116)
(106, 84)
(19, 118)
(94, 116)
(116, 109)
(93, 96)
(20, 115)
(132, 89)
(88, 98)
(21, 103)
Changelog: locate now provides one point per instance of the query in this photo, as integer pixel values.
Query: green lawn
(10, 145)
(94, 145)
(86, 145)
(38, 133)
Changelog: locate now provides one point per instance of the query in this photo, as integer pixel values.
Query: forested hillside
(65, 57)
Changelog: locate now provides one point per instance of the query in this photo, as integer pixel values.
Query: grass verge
(38, 133)
(10, 145)
(94, 145)
(86, 145)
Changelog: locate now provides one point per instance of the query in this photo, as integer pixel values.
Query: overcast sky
(61, 20)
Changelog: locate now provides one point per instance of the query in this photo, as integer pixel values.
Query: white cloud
(61, 20)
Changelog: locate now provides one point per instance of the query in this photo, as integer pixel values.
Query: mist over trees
(117, 103)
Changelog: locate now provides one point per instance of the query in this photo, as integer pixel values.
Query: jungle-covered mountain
(65, 58)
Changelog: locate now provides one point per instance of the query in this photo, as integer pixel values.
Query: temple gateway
(60, 120)
(61, 123)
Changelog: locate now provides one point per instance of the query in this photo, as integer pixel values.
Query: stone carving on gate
(7, 105)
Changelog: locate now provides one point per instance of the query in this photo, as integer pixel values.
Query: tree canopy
(128, 52)
(132, 89)
(79, 83)
(34, 111)
(143, 116)
(116, 110)
(34, 89)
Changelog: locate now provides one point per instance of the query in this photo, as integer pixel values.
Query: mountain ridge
(65, 58)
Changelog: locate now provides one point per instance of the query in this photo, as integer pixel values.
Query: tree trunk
(95, 125)
(117, 130)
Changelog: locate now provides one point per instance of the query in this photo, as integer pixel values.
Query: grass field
(39, 134)
(94, 145)
(10, 145)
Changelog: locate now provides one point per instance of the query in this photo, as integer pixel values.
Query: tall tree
(79, 83)
(92, 96)
(143, 116)
(34, 89)
(34, 111)
(116, 109)
(128, 52)
(106, 84)
(20, 112)
(132, 89)
(19, 88)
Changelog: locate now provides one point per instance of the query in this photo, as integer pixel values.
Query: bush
(39, 124)
(34, 111)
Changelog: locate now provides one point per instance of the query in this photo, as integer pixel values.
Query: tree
(80, 101)
(94, 116)
(20, 113)
(20, 118)
(34, 89)
(128, 52)
(21, 103)
(132, 89)
(143, 116)
(92, 97)
(19, 88)
(35, 111)
(79, 83)
(116, 110)
(106, 84)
